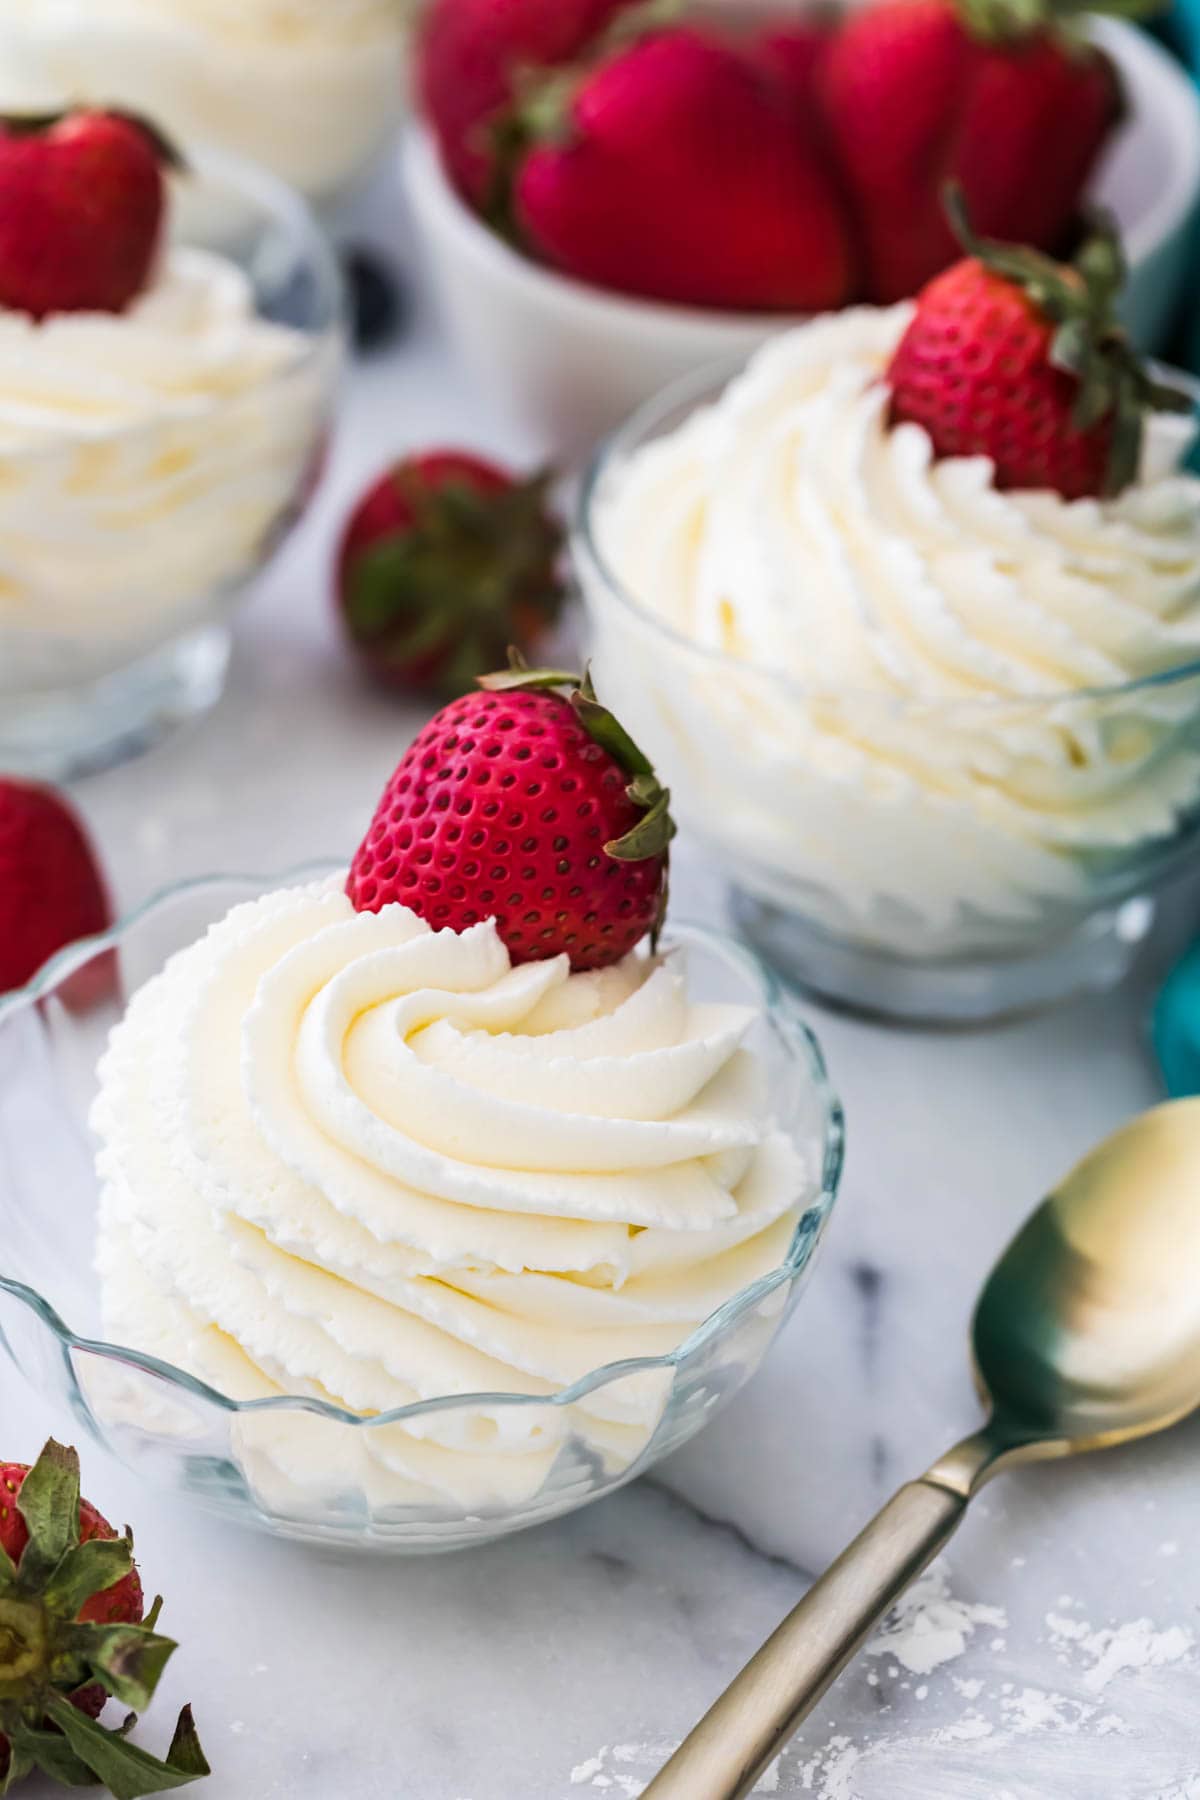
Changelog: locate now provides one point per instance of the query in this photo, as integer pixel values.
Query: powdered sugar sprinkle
(930, 1628)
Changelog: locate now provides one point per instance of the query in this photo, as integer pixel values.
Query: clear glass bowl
(124, 550)
(940, 860)
(298, 1466)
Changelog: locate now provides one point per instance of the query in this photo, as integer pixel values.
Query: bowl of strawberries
(606, 202)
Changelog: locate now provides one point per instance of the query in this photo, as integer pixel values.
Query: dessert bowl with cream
(403, 1239)
(151, 459)
(943, 731)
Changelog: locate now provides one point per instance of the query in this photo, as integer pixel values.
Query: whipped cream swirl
(932, 762)
(147, 459)
(348, 1157)
(308, 88)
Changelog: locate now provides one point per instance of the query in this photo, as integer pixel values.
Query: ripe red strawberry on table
(82, 204)
(447, 560)
(530, 804)
(1006, 97)
(473, 54)
(1013, 356)
(676, 169)
(121, 1604)
(73, 1634)
(51, 888)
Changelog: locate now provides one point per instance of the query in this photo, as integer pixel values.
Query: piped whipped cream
(147, 459)
(894, 733)
(346, 1157)
(308, 88)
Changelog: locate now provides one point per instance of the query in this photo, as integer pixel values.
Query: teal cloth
(1180, 30)
(1176, 1022)
(1176, 1026)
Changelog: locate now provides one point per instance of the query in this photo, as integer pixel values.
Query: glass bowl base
(959, 990)
(58, 733)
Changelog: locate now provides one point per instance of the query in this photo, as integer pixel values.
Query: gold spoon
(1087, 1334)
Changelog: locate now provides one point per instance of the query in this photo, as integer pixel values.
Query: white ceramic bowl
(567, 362)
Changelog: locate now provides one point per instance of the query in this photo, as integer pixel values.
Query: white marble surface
(558, 1665)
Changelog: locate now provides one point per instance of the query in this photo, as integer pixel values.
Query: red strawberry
(51, 889)
(72, 1635)
(682, 175)
(82, 202)
(795, 55)
(530, 807)
(471, 55)
(1015, 357)
(984, 92)
(121, 1604)
(447, 560)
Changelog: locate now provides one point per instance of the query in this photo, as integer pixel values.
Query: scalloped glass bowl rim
(700, 387)
(781, 1005)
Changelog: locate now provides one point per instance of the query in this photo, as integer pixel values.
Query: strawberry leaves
(652, 835)
(50, 1752)
(49, 1504)
(127, 1771)
(84, 1570)
(47, 1654)
(127, 1659)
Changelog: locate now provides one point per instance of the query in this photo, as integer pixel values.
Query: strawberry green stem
(47, 1655)
(1007, 21)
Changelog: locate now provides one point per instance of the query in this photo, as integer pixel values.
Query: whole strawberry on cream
(898, 556)
(153, 429)
(446, 1126)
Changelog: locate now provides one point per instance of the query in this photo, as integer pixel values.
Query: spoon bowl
(1086, 1334)
(1088, 1330)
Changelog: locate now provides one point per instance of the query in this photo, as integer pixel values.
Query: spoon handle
(748, 1726)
